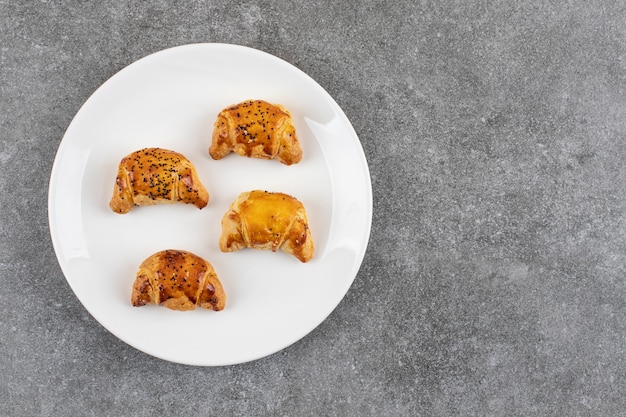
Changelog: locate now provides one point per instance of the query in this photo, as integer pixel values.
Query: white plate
(170, 99)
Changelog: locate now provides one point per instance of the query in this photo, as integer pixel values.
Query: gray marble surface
(495, 278)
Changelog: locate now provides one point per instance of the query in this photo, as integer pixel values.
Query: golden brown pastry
(156, 176)
(178, 280)
(265, 220)
(257, 129)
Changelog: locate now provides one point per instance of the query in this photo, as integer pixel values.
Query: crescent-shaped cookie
(178, 280)
(256, 129)
(156, 176)
(267, 220)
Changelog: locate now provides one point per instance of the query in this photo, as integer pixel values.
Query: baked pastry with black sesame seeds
(152, 176)
(178, 280)
(256, 129)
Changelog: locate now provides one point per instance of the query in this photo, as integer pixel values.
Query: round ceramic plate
(170, 99)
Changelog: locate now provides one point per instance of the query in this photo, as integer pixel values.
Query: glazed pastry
(257, 129)
(178, 280)
(266, 220)
(156, 176)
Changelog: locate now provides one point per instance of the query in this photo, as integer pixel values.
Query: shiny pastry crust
(156, 176)
(266, 220)
(178, 280)
(257, 129)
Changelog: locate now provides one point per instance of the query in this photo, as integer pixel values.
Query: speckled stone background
(495, 279)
